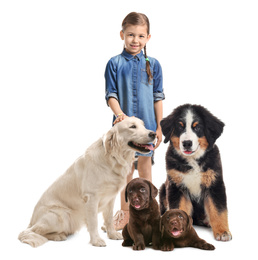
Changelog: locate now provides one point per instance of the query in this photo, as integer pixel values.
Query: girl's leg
(144, 167)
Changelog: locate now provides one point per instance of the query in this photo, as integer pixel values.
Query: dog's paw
(139, 246)
(104, 228)
(225, 236)
(167, 247)
(207, 246)
(98, 242)
(115, 235)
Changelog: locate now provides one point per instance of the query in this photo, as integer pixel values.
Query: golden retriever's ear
(111, 141)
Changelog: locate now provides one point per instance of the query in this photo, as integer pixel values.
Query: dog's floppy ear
(167, 126)
(111, 140)
(213, 126)
(153, 190)
(126, 194)
(168, 123)
(189, 221)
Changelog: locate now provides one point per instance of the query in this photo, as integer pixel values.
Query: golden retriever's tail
(30, 237)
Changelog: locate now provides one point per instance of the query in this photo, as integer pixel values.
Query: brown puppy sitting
(143, 226)
(177, 231)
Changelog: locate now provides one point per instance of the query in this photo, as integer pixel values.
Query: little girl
(134, 88)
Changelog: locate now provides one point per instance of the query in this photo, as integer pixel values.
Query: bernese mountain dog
(194, 171)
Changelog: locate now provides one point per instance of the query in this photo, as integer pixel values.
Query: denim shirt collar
(129, 56)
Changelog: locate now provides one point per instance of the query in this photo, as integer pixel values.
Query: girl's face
(135, 38)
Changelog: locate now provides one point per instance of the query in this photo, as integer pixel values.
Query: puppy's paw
(225, 236)
(167, 247)
(98, 242)
(127, 242)
(156, 246)
(207, 246)
(139, 246)
(115, 235)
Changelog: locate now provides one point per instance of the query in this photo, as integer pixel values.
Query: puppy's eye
(180, 216)
(142, 190)
(133, 126)
(168, 217)
(130, 191)
(181, 125)
(197, 128)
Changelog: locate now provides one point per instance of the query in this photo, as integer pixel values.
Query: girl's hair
(139, 19)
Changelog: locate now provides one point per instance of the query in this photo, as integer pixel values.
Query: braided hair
(134, 18)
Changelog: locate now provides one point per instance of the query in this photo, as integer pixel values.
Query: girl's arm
(115, 107)
(158, 107)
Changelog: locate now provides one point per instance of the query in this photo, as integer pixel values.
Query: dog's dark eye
(168, 217)
(142, 190)
(180, 216)
(130, 191)
(180, 125)
(197, 128)
(133, 126)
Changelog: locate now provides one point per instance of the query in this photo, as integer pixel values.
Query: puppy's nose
(152, 135)
(187, 144)
(173, 222)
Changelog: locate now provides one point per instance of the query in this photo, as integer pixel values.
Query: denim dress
(127, 81)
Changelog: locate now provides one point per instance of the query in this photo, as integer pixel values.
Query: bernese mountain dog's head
(191, 129)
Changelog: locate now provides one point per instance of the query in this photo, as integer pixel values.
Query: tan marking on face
(175, 140)
(195, 124)
(203, 142)
(181, 123)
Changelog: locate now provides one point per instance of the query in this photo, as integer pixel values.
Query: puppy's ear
(167, 126)
(126, 194)
(153, 190)
(213, 127)
(189, 221)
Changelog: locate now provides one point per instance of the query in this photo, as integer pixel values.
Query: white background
(52, 60)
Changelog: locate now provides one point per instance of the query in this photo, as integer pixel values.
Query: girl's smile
(135, 38)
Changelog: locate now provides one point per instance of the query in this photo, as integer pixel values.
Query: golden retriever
(89, 186)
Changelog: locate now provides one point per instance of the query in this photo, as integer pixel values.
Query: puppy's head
(191, 129)
(129, 134)
(175, 223)
(139, 192)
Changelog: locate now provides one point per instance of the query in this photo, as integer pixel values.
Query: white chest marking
(192, 180)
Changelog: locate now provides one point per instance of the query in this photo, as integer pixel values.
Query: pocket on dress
(145, 78)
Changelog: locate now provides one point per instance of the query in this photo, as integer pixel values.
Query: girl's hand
(159, 137)
(120, 118)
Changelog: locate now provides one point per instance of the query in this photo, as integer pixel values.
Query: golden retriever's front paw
(225, 236)
(98, 242)
(115, 235)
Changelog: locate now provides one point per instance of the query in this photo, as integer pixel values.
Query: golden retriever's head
(129, 134)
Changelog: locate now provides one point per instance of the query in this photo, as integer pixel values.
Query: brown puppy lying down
(177, 231)
(143, 226)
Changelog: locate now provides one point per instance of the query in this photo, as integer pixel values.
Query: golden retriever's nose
(152, 135)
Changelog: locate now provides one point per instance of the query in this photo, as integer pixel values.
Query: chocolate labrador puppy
(177, 231)
(143, 226)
